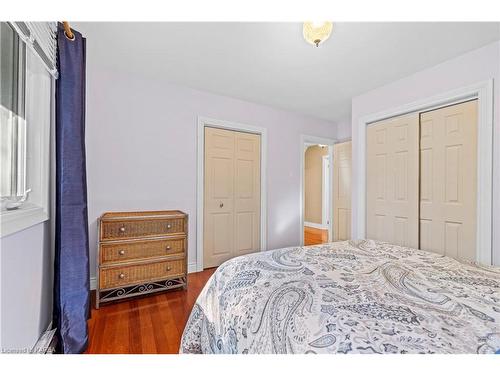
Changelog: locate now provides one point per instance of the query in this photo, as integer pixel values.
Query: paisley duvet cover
(346, 297)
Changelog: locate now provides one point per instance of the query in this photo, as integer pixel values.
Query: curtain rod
(67, 31)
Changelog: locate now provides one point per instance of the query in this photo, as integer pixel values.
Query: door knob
(221, 205)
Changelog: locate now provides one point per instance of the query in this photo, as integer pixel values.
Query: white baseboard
(315, 225)
(191, 269)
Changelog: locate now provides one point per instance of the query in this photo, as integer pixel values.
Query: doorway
(317, 188)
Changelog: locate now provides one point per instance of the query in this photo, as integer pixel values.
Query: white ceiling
(270, 63)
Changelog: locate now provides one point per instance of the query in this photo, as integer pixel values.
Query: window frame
(18, 131)
(36, 209)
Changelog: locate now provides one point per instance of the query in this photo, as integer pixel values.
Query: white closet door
(231, 196)
(448, 152)
(342, 160)
(392, 177)
(247, 194)
(218, 241)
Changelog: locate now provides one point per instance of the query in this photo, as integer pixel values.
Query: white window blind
(41, 38)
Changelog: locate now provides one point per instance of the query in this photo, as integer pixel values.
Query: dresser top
(142, 214)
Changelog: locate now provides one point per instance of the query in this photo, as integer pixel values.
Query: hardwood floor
(314, 236)
(152, 324)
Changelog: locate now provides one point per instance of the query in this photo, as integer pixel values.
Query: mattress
(346, 297)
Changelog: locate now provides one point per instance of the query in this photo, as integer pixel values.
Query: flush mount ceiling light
(316, 33)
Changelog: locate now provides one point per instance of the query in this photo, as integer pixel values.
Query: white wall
(473, 67)
(344, 129)
(26, 266)
(141, 149)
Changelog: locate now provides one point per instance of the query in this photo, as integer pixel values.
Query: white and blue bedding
(346, 297)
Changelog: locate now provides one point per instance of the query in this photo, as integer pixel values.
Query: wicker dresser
(140, 253)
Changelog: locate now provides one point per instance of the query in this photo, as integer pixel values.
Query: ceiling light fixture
(316, 33)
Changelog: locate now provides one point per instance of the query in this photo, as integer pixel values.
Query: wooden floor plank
(314, 236)
(134, 341)
(121, 336)
(160, 321)
(148, 346)
(152, 324)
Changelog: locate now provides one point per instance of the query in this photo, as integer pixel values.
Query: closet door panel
(392, 180)
(247, 193)
(218, 241)
(449, 182)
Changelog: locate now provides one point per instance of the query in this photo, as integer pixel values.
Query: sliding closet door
(232, 195)
(392, 175)
(342, 160)
(448, 152)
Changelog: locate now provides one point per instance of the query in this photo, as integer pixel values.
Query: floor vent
(46, 343)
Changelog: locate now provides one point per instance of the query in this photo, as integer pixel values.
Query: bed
(346, 297)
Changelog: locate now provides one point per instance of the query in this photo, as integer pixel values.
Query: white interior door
(325, 192)
(247, 194)
(392, 178)
(231, 195)
(218, 222)
(342, 161)
(448, 152)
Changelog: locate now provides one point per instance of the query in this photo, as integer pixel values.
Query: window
(26, 89)
(12, 112)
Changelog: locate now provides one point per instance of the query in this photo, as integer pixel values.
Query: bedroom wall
(313, 184)
(344, 128)
(26, 265)
(475, 66)
(141, 149)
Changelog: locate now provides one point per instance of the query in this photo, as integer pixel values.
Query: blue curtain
(71, 272)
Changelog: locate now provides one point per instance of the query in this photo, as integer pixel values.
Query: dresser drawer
(127, 251)
(112, 277)
(137, 250)
(123, 229)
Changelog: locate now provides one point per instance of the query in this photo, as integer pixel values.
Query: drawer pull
(168, 247)
(121, 276)
(169, 226)
(122, 229)
(169, 268)
(121, 252)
